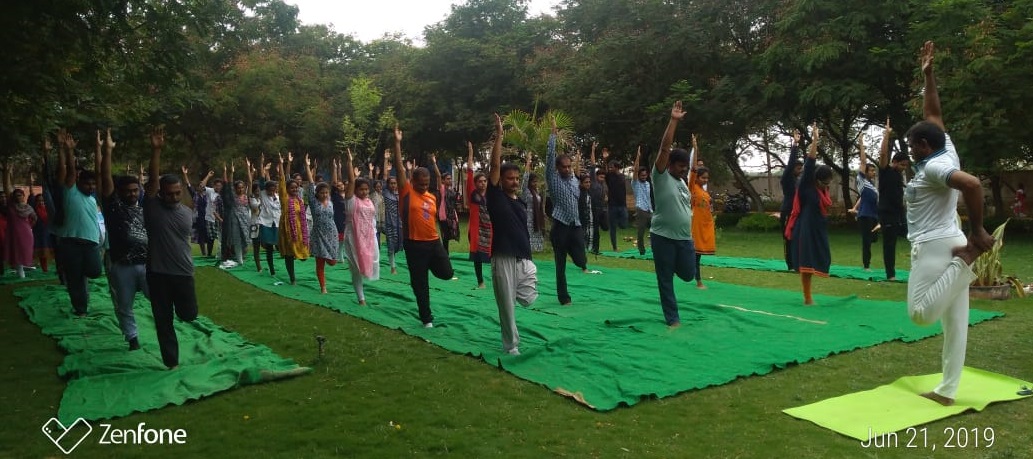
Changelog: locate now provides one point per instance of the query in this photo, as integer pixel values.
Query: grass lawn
(372, 379)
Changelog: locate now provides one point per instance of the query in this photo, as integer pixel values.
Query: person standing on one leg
(617, 199)
(867, 206)
(170, 266)
(424, 253)
(807, 228)
(513, 274)
(600, 196)
(80, 234)
(703, 237)
(294, 231)
(127, 273)
(643, 191)
(361, 239)
(790, 176)
(323, 234)
(567, 236)
(480, 221)
(891, 201)
(671, 230)
(940, 254)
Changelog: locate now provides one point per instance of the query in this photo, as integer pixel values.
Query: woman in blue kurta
(808, 224)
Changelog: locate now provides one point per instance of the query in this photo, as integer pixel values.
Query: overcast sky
(368, 20)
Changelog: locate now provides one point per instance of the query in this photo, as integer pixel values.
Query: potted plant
(990, 281)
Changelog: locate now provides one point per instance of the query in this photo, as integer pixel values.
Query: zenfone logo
(72, 435)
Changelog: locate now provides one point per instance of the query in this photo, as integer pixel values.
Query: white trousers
(937, 289)
(514, 280)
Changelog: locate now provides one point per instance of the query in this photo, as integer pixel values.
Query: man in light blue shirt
(643, 190)
(567, 235)
(671, 232)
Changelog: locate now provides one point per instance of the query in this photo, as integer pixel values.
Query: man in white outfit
(940, 254)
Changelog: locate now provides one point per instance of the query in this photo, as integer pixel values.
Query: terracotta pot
(991, 292)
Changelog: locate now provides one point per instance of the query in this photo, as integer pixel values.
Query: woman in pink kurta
(20, 219)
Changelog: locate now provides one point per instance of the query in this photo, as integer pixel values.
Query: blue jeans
(670, 257)
(124, 281)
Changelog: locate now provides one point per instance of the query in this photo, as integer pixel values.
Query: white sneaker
(513, 351)
(231, 264)
(428, 325)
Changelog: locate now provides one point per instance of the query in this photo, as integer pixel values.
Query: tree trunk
(732, 161)
(995, 190)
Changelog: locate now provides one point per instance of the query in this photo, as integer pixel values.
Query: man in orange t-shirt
(424, 252)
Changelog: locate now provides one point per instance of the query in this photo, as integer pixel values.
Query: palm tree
(526, 134)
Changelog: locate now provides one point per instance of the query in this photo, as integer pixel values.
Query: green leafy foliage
(758, 221)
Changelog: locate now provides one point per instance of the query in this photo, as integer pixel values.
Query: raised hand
(109, 144)
(281, 157)
(158, 137)
(796, 137)
(434, 159)
(308, 162)
(350, 156)
(606, 153)
(695, 144)
(186, 172)
(927, 57)
(398, 134)
(99, 142)
(815, 132)
(65, 140)
(676, 111)
(290, 157)
(888, 128)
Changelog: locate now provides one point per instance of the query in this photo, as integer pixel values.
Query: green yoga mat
(611, 347)
(767, 264)
(106, 380)
(897, 407)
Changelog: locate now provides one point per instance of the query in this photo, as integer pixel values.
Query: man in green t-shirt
(671, 227)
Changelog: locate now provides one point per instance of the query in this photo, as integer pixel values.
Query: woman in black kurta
(808, 224)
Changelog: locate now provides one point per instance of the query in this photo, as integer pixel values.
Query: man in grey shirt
(170, 267)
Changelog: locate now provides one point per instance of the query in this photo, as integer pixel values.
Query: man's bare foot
(674, 326)
(481, 285)
(945, 401)
(967, 253)
(891, 279)
(394, 270)
(323, 291)
(362, 302)
(700, 286)
(808, 302)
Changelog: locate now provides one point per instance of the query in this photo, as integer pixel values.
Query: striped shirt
(564, 191)
(641, 188)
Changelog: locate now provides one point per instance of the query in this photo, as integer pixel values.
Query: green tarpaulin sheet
(898, 406)
(611, 347)
(768, 264)
(106, 380)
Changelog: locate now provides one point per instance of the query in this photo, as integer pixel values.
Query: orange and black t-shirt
(418, 214)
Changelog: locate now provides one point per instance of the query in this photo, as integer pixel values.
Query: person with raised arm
(448, 216)
(360, 241)
(598, 192)
(170, 266)
(617, 197)
(941, 255)
(643, 191)
(867, 205)
(567, 235)
(79, 246)
(424, 253)
(20, 217)
(338, 191)
(790, 176)
(323, 235)
(703, 230)
(670, 231)
(269, 214)
(294, 233)
(531, 195)
(513, 275)
(807, 228)
(127, 252)
(392, 213)
(892, 219)
(237, 216)
(480, 221)
(377, 196)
